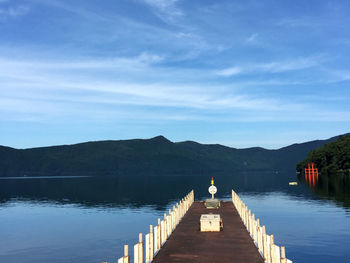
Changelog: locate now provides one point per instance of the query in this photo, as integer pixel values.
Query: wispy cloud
(289, 65)
(270, 67)
(126, 63)
(338, 75)
(13, 11)
(161, 4)
(228, 72)
(165, 9)
(58, 87)
(253, 38)
(121, 81)
(118, 28)
(301, 22)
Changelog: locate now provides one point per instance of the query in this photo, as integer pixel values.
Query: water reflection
(159, 191)
(313, 230)
(136, 191)
(311, 174)
(333, 187)
(89, 219)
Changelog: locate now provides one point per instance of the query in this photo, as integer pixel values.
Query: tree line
(331, 159)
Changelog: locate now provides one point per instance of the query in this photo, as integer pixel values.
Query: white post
(269, 248)
(249, 216)
(165, 227)
(283, 255)
(140, 249)
(136, 253)
(253, 226)
(174, 217)
(126, 254)
(159, 235)
(169, 225)
(150, 242)
(277, 254)
(260, 239)
(177, 214)
(264, 243)
(155, 239)
(183, 207)
(147, 248)
(257, 229)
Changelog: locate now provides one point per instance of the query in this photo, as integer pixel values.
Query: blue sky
(239, 73)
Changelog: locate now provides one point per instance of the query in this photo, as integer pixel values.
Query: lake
(89, 219)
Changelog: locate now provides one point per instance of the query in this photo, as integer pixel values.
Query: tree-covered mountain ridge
(157, 155)
(332, 158)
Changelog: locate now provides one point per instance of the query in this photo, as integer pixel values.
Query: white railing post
(151, 250)
(136, 253)
(140, 254)
(265, 243)
(147, 248)
(126, 254)
(283, 255)
(158, 234)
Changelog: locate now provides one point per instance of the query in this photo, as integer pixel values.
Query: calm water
(90, 219)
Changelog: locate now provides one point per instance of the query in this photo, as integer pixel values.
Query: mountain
(332, 158)
(151, 156)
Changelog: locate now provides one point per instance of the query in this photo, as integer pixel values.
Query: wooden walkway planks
(188, 244)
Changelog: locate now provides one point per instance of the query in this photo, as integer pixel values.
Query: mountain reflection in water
(138, 190)
(333, 187)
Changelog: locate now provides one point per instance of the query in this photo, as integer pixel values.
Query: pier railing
(265, 243)
(146, 249)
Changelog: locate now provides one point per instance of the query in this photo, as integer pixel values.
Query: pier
(177, 238)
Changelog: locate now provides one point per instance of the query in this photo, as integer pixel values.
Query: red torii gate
(311, 174)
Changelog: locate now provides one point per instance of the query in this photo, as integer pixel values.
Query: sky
(239, 73)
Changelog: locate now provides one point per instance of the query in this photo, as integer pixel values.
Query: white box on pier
(210, 223)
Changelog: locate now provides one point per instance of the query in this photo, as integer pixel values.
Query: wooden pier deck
(188, 244)
(177, 238)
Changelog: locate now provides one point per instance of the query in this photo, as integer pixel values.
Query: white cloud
(14, 11)
(55, 83)
(109, 86)
(228, 72)
(338, 75)
(289, 65)
(140, 32)
(165, 9)
(119, 93)
(270, 67)
(127, 63)
(161, 4)
(301, 22)
(253, 38)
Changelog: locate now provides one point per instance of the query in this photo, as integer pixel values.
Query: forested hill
(152, 156)
(332, 158)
